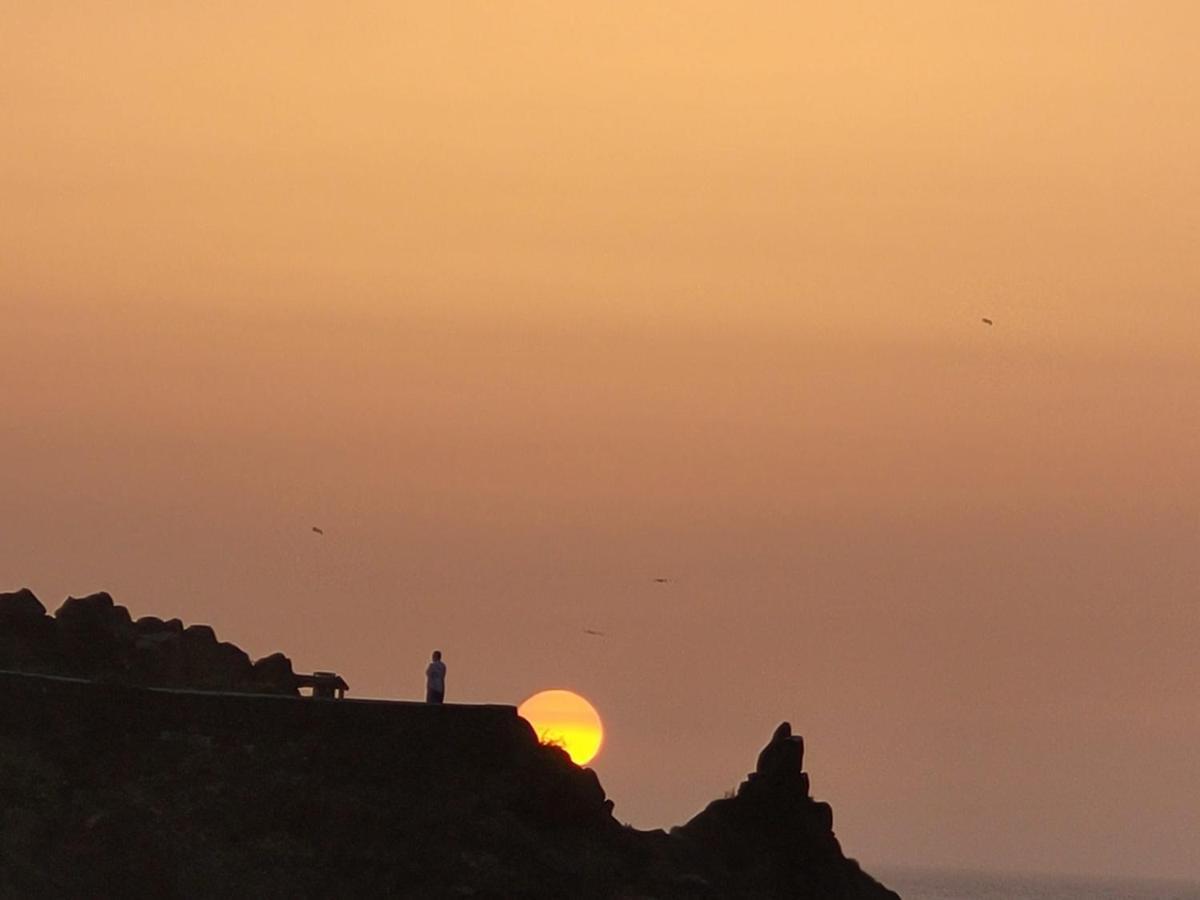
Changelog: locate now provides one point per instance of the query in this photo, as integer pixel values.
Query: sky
(527, 305)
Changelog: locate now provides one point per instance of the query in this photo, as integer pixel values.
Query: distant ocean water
(931, 885)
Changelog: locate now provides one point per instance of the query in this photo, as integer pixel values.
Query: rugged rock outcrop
(772, 837)
(27, 635)
(112, 789)
(92, 637)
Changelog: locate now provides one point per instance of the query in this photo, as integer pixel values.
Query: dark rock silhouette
(772, 811)
(113, 789)
(781, 762)
(20, 607)
(273, 674)
(88, 613)
(27, 637)
(92, 637)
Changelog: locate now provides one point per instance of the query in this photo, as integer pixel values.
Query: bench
(325, 685)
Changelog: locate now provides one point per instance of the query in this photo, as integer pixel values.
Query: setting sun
(567, 720)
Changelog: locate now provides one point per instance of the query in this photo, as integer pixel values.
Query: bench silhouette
(325, 685)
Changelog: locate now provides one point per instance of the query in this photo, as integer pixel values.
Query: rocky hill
(146, 759)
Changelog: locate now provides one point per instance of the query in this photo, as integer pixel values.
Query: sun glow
(567, 720)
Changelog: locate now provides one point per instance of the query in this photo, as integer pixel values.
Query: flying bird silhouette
(662, 580)
(987, 321)
(317, 530)
(593, 632)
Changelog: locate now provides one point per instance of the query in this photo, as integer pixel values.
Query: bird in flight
(662, 580)
(593, 632)
(987, 321)
(317, 530)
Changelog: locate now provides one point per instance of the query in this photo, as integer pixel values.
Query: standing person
(435, 679)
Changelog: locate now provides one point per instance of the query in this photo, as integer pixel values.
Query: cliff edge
(129, 770)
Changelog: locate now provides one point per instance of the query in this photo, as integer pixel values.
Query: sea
(916, 884)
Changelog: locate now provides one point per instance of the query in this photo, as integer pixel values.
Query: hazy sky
(528, 304)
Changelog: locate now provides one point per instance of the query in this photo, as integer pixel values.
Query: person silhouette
(435, 679)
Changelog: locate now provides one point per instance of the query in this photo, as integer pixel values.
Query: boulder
(274, 675)
(120, 623)
(212, 664)
(86, 637)
(200, 634)
(27, 640)
(85, 613)
(20, 608)
(236, 662)
(781, 762)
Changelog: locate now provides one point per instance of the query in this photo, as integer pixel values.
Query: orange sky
(528, 304)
